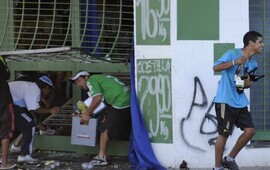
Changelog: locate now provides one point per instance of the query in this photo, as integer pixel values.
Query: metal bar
(69, 24)
(52, 26)
(48, 50)
(75, 23)
(21, 26)
(64, 118)
(102, 27)
(46, 24)
(6, 25)
(118, 32)
(85, 22)
(37, 22)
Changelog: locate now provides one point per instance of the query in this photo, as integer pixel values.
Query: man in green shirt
(115, 121)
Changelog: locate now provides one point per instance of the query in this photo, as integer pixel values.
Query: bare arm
(43, 110)
(223, 66)
(226, 65)
(94, 104)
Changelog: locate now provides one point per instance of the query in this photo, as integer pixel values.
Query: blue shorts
(228, 117)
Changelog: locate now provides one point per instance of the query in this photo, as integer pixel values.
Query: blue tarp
(141, 155)
(92, 29)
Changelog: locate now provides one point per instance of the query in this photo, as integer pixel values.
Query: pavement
(52, 160)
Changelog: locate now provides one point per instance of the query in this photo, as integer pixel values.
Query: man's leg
(6, 133)
(100, 159)
(5, 144)
(104, 142)
(27, 141)
(25, 124)
(18, 140)
(219, 148)
(242, 141)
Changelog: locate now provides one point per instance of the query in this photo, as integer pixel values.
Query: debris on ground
(54, 160)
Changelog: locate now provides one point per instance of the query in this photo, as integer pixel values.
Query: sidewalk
(241, 168)
(51, 160)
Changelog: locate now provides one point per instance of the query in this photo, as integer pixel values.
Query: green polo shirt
(112, 89)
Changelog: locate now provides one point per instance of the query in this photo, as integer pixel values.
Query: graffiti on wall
(207, 119)
(154, 92)
(153, 22)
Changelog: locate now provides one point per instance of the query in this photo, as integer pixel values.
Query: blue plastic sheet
(141, 155)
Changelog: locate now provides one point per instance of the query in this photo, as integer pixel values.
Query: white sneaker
(15, 149)
(99, 161)
(27, 159)
(87, 166)
(48, 131)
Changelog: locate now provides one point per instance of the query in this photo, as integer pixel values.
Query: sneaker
(99, 161)
(27, 159)
(87, 166)
(15, 149)
(229, 164)
(48, 131)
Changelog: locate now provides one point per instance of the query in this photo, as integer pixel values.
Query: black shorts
(228, 116)
(117, 122)
(7, 122)
(23, 118)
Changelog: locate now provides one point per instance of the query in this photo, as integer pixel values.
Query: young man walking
(231, 102)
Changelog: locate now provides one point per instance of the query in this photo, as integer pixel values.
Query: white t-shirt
(25, 94)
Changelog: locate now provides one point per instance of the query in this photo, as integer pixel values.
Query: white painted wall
(192, 59)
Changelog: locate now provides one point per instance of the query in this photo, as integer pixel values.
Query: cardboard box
(84, 134)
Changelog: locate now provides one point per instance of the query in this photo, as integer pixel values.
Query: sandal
(10, 166)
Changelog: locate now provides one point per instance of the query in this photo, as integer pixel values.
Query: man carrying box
(115, 120)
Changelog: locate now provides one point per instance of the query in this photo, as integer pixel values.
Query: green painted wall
(6, 25)
(197, 20)
(220, 49)
(155, 95)
(152, 22)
